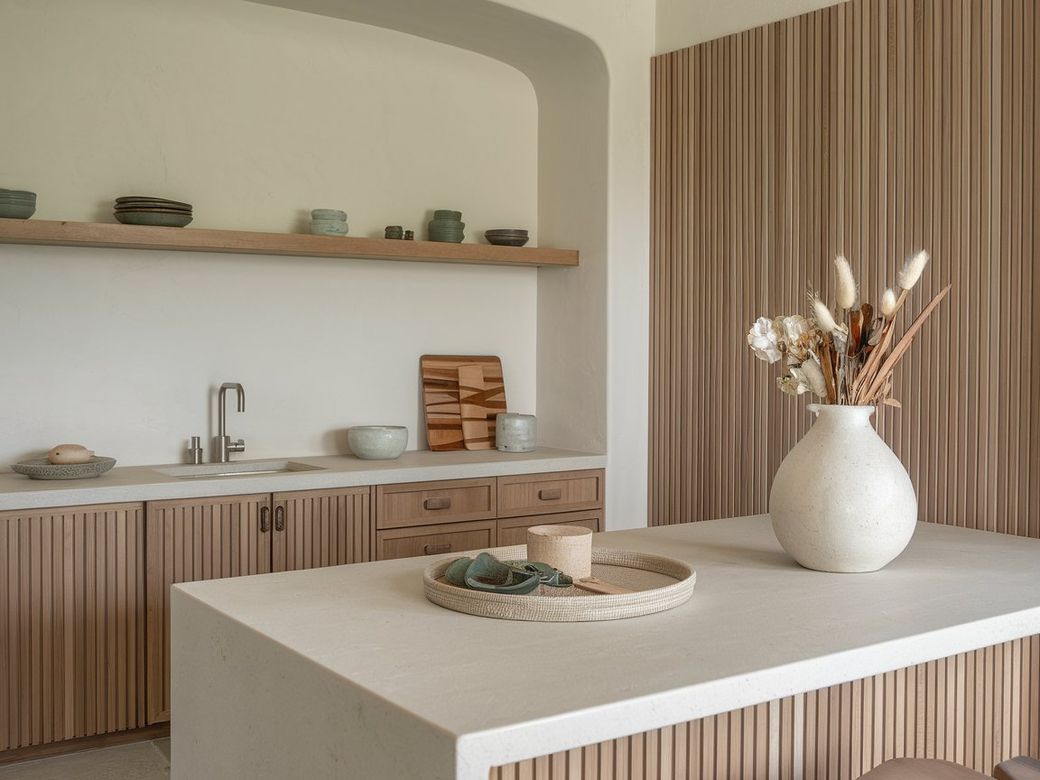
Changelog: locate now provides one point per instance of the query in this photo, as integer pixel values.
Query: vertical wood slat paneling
(872, 128)
(189, 540)
(68, 668)
(975, 709)
(323, 528)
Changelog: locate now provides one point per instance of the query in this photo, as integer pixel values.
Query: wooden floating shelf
(116, 236)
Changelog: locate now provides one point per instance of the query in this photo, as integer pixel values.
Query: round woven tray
(658, 583)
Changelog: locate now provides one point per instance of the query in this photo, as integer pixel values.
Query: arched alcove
(571, 82)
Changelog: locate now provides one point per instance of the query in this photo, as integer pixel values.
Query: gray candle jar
(515, 432)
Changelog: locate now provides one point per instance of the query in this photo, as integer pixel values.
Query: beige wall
(255, 115)
(682, 23)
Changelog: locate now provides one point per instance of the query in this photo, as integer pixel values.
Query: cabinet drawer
(513, 530)
(561, 491)
(434, 539)
(426, 503)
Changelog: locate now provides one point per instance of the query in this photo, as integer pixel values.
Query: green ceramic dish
(447, 214)
(153, 218)
(149, 199)
(12, 210)
(40, 468)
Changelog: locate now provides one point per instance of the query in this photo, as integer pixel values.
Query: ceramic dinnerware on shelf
(446, 227)
(153, 211)
(507, 236)
(17, 204)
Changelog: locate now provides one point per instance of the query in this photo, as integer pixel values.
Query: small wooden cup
(564, 547)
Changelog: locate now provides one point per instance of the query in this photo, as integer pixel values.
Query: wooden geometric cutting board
(443, 407)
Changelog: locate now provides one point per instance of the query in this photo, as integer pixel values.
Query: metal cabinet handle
(437, 503)
(431, 549)
(279, 518)
(553, 494)
(265, 519)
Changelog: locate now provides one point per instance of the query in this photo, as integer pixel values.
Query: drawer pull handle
(433, 549)
(555, 494)
(265, 519)
(279, 518)
(437, 503)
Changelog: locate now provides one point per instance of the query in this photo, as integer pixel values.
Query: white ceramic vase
(841, 500)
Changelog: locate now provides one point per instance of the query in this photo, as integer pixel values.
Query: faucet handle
(238, 445)
(195, 450)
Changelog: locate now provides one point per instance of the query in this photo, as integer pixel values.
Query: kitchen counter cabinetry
(72, 623)
(427, 518)
(192, 540)
(85, 590)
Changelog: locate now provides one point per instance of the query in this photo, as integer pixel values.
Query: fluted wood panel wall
(975, 709)
(872, 128)
(72, 623)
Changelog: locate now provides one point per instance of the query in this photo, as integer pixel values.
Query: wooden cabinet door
(513, 530)
(190, 540)
(315, 528)
(434, 539)
(72, 630)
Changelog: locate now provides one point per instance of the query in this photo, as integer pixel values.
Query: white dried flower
(812, 375)
(888, 303)
(764, 340)
(846, 283)
(796, 335)
(823, 316)
(790, 385)
(912, 269)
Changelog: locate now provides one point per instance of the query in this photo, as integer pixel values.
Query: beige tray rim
(557, 609)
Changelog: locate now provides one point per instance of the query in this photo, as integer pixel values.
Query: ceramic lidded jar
(841, 501)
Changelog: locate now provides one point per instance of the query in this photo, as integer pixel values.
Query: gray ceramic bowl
(40, 468)
(328, 214)
(377, 442)
(156, 219)
(12, 210)
(505, 240)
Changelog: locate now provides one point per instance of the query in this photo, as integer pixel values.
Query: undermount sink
(245, 469)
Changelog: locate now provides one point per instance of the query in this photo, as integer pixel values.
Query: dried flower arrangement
(849, 358)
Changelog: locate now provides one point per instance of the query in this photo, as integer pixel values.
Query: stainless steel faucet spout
(222, 444)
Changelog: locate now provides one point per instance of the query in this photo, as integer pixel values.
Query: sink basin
(244, 469)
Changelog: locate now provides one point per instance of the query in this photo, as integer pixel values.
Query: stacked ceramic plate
(17, 204)
(447, 226)
(143, 210)
(507, 236)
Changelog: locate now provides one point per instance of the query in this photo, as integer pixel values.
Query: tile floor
(136, 761)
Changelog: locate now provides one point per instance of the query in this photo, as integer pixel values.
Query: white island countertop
(350, 672)
(149, 483)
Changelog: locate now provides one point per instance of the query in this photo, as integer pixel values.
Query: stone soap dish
(39, 468)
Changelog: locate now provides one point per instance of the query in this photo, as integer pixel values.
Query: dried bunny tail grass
(846, 283)
(888, 303)
(912, 269)
(823, 316)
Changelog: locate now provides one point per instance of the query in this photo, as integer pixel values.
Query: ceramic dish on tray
(656, 583)
(40, 468)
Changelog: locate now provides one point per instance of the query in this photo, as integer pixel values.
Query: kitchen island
(349, 672)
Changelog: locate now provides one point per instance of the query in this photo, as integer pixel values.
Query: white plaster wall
(255, 115)
(682, 23)
(589, 61)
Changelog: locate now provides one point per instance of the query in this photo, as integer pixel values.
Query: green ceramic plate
(155, 219)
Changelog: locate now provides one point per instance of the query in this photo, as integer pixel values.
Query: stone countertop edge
(145, 483)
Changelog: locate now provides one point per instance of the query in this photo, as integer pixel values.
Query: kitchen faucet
(222, 444)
